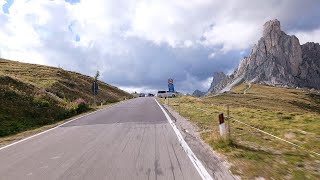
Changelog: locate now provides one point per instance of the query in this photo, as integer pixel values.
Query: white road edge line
(195, 161)
(56, 127)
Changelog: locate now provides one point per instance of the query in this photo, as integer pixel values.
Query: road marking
(195, 161)
(22, 140)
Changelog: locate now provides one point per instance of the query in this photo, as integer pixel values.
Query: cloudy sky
(138, 44)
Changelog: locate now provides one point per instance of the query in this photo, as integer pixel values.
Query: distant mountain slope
(278, 60)
(35, 95)
(198, 93)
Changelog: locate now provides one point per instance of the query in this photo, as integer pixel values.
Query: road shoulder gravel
(215, 164)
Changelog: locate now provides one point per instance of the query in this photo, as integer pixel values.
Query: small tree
(96, 76)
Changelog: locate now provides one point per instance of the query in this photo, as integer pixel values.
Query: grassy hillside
(291, 114)
(35, 95)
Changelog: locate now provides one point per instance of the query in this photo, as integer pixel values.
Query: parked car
(166, 94)
(142, 95)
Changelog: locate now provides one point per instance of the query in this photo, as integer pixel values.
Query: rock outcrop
(279, 60)
(310, 68)
(216, 83)
(198, 93)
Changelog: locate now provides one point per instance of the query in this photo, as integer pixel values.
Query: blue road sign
(171, 87)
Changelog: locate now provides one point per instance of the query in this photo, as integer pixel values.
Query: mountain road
(130, 140)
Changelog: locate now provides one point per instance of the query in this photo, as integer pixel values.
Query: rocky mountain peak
(311, 46)
(277, 59)
(271, 27)
(286, 49)
(219, 81)
(217, 76)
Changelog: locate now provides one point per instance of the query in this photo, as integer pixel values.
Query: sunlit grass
(32, 95)
(291, 114)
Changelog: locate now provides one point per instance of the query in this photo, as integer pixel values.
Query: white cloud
(232, 35)
(171, 22)
(308, 36)
(232, 25)
(188, 43)
(2, 2)
(114, 34)
(206, 83)
(28, 24)
(212, 55)
(132, 89)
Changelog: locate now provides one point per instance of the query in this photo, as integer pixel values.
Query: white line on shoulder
(195, 161)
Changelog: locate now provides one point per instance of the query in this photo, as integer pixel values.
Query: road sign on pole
(170, 85)
(94, 89)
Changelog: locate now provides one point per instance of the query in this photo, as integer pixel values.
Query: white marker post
(222, 126)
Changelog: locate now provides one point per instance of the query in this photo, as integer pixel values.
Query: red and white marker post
(222, 126)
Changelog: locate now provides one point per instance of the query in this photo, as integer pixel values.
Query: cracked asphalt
(130, 140)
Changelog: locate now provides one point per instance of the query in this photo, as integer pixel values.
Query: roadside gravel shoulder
(215, 164)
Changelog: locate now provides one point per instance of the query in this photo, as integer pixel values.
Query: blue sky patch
(70, 26)
(77, 39)
(7, 5)
(72, 1)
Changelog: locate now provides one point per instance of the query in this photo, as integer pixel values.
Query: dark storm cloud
(150, 66)
(145, 65)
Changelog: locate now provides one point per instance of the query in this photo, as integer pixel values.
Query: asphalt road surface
(130, 140)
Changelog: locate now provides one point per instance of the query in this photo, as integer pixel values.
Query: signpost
(94, 89)
(170, 85)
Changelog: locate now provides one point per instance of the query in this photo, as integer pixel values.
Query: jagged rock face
(198, 93)
(279, 60)
(216, 79)
(310, 68)
(221, 84)
(276, 59)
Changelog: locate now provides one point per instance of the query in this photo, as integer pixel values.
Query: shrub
(80, 105)
(60, 94)
(41, 103)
